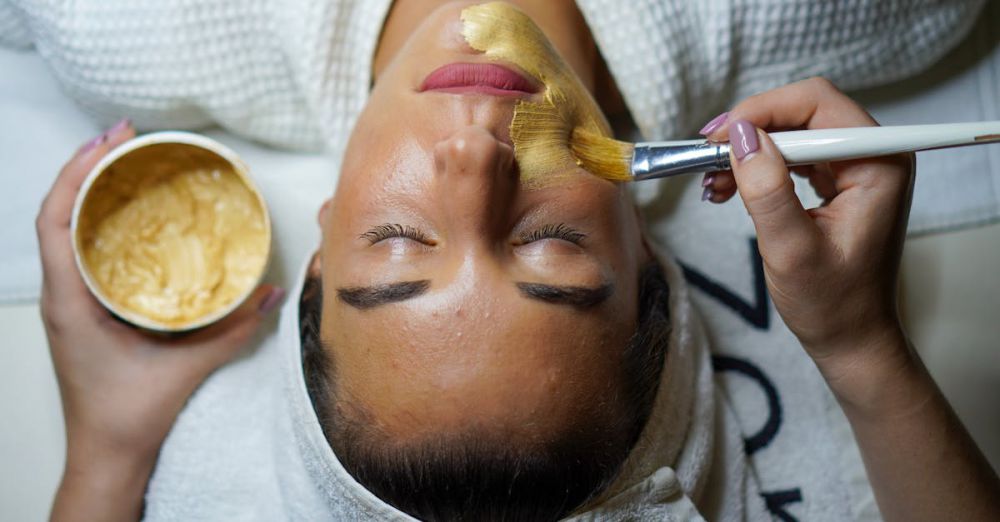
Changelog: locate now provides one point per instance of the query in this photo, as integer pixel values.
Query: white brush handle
(822, 145)
(653, 160)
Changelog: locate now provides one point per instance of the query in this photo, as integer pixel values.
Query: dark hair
(481, 476)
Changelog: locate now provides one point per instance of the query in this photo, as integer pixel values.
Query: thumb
(222, 341)
(768, 192)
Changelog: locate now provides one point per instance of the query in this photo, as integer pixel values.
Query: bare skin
(472, 348)
(444, 167)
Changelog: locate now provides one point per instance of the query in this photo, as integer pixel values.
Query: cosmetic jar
(169, 232)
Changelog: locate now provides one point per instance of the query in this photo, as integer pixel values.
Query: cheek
(389, 150)
(621, 220)
(324, 213)
(611, 208)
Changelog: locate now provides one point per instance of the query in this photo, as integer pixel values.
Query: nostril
(473, 149)
(505, 159)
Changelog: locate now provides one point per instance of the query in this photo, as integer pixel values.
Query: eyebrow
(367, 297)
(576, 296)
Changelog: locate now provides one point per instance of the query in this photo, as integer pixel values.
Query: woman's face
(454, 296)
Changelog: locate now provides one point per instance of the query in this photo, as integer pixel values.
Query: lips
(479, 78)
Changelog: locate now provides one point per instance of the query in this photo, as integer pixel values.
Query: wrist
(98, 484)
(107, 464)
(110, 439)
(876, 375)
(109, 470)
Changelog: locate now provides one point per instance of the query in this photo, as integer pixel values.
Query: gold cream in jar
(169, 233)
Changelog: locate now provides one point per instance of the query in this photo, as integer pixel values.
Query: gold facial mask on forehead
(540, 131)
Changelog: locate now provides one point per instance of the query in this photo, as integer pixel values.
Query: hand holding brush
(832, 272)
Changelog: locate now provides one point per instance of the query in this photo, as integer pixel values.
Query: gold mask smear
(170, 232)
(541, 132)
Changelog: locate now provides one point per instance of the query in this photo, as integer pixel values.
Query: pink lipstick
(478, 78)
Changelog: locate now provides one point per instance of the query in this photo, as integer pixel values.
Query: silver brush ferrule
(662, 160)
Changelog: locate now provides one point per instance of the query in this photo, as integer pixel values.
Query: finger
(219, 343)
(873, 195)
(722, 196)
(719, 186)
(120, 133)
(58, 205)
(52, 225)
(869, 173)
(820, 178)
(767, 190)
(813, 103)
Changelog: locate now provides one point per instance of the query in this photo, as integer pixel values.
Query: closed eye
(390, 230)
(553, 231)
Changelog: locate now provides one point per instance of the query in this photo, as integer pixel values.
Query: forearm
(921, 462)
(99, 484)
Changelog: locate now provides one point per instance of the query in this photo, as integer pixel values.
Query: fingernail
(707, 194)
(121, 126)
(743, 138)
(272, 300)
(709, 179)
(714, 125)
(93, 144)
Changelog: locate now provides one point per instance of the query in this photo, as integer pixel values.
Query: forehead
(452, 355)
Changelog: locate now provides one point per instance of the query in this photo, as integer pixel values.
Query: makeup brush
(620, 161)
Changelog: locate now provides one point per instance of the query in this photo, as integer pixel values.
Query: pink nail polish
(743, 138)
(271, 301)
(709, 179)
(121, 126)
(93, 144)
(707, 194)
(714, 125)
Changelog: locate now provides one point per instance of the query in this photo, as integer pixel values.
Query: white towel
(956, 187)
(295, 74)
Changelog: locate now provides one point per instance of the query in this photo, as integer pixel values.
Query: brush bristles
(602, 156)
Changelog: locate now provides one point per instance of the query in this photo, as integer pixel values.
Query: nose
(476, 179)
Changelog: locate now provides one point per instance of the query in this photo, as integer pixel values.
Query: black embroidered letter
(757, 314)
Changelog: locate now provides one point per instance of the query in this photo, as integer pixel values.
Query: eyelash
(553, 231)
(559, 231)
(389, 230)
